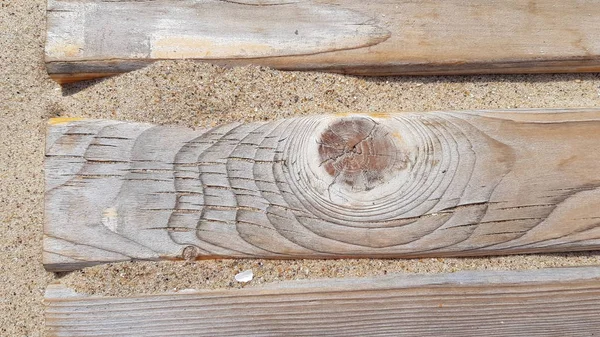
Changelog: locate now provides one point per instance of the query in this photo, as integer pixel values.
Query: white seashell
(245, 276)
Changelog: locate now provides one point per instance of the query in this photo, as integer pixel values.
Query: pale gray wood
(546, 302)
(380, 185)
(94, 38)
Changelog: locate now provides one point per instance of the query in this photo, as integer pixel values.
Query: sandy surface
(196, 95)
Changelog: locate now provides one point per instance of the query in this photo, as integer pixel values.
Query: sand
(197, 95)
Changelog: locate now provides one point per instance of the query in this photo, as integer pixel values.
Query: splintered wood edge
(497, 68)
(74, 78)
(507, 303)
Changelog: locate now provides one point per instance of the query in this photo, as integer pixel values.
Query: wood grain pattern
(385, 185)
(92, 38)
(550, 302)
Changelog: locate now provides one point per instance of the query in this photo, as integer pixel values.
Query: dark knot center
(359, 153)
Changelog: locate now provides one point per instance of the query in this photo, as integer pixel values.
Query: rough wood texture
(93, 38)
(551, 302)
(398, 185)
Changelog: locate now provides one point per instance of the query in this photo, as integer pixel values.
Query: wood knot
(360, 153)
(190, 253)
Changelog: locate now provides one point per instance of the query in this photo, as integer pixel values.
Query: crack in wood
(468, 188)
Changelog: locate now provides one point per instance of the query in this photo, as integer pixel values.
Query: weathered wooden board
(94, 38)
(550, 302)
(397, 185)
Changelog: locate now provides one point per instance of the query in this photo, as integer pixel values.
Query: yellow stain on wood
(196, 47)
(63, 120)
(64, 50)
(398, 136)
(345, 114)
(380, 115)
(110, 219)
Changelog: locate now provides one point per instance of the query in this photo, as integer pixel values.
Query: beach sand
(194, 94)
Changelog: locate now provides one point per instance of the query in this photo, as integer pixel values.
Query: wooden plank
(93, 38)
(385, 185)
(547, 302)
